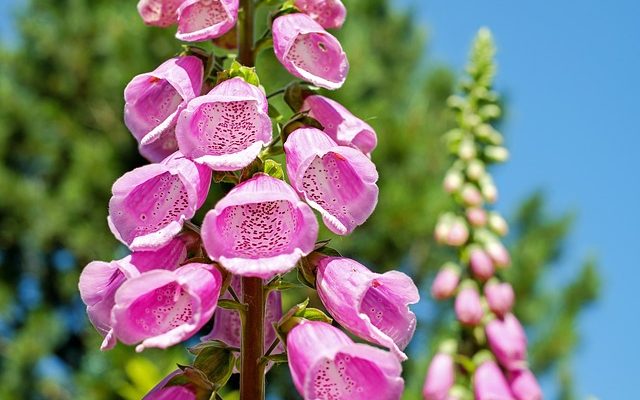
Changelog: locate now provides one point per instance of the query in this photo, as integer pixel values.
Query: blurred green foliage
(63, 143)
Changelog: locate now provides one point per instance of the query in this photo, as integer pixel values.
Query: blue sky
(571, 70)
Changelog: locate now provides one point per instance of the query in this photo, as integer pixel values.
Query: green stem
(251, 369)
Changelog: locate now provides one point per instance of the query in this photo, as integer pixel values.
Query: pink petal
(160, 13)
(328, 13)
(160, 392)
(200, 20)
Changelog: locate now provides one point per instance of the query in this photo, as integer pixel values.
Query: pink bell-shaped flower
(200, 20)
(440, 378)
(326, 364)
(309, 52)
(468, 307)
(338, 181)
(489, 383)
(500, 297)
(524, 385)
(227, 325)
(161, 308)
(100, 280)
(226, 128)
(370, 305)
(330, 14)
(508, 342)
(163, 392)
(446, 282)
(153, 101)
(260, 228)
(150, 204)
(160, 13)
(341, 126)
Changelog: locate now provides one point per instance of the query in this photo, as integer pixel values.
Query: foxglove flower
(150, 204)
(489, 383)
(338, 181)
(260, 228)
(500, 297)
(160, 13)
(370, 305)
(226, 128)
(200, 20)
(440, 378)
(309, 52)
(100, 280)
(154, 100)
(508, 342)
(468, 307)
(342, 126)
(330, 14)
(524, 385)
(227, 327)
(163, 392)
(481, 264)
(161, 308)
(446, 282)
(326, 364)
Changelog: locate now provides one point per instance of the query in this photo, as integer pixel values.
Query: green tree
(63, 143)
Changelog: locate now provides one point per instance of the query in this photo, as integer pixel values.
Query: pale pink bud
(500, 297)
(498, 224)
(481, 264)
(471, 195)
(524, 385)
(453, 181)
(476, 216)
(458, 233)
(468, 307)
(498, 254)
(440, 378)
(508, 342)
(446, 282)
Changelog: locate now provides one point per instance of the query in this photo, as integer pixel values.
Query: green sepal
(231, 305)
(238, 70)
(273, 169)
(299, 120)
(216, 363)
(295, 93)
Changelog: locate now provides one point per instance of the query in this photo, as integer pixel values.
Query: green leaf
(313, 314)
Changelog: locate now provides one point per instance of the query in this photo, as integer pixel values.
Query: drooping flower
(163, 392)
(342, 126)
(153, 101)
(150, 204)
(440, 378)
(161, 308)
(326, 364)
(200, 20)
(309, 52)
(227, 326)
(481, 264)
(446, 282)
(260, 228)
(100, 280)
(500, 297)
(508, 342)
(226, 128)
(468, 307)
(338, 181)
(524, 385)
(330, 14)
(489, 383)
(370, 305)
(160, 13)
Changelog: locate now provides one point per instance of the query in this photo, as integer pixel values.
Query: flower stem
(251, 369)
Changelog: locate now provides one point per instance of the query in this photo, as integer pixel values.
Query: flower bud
(468, 307)
(451, 230)
(488, 189)
(446, 282)
(476, 216)
(498, 224)
(453, 181)
(498, 253)
(524, 385)
(496, 153)
(508, 342)
(499, 296)
(471, 196)
(489, 383)
(481, 265)
(475, 169)
(440, 378)
(467, 149)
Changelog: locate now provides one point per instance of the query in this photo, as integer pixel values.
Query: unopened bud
(471, 196)
(468, 307)
(458, 234)
(498, 253)
(489, 111)
(489, 191)
(476, 216)
(498, 224)
(496, 153)
(446, 282)
(453, 181)
(467, 149)
(481, 264)
(475, 169)
(500, 297)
